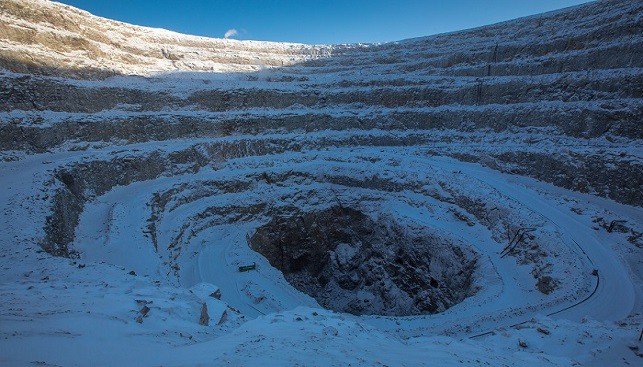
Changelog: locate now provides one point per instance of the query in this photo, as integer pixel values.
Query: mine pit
(352, 263)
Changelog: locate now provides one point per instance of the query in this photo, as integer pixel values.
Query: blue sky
(329, 21)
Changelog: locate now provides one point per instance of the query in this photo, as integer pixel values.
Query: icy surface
(137, 164)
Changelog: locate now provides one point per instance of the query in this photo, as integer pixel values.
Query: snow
(74, 303)
(204, 290)
(152, 251)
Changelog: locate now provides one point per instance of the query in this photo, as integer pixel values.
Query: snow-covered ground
(79, 311)
(128, 201)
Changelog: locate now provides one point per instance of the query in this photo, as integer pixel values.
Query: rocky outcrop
(51, 38)
(554, 96)
(351, 263)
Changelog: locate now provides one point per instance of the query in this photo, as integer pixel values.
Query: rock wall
(554, 96)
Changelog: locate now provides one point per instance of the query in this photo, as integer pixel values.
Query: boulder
(206, 290)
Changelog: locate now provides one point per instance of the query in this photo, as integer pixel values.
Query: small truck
(248, 267)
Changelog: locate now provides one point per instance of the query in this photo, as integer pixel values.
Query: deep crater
(352, 263)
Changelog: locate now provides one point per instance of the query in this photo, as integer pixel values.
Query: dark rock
(204, 319)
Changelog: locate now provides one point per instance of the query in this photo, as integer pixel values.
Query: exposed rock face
(351, 263)
(46, 37)
(204, 318)
(556, 97)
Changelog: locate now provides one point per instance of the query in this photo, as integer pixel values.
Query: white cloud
(230, 33)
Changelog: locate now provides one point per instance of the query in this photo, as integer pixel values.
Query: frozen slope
(136, 164)
(217, 252)
(77, 301)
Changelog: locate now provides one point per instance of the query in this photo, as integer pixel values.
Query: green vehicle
(248, 267)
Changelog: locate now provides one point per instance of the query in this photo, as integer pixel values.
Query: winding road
(612, 295)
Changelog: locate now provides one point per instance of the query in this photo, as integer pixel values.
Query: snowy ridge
(138, 164)
(86, 45)
(575, 72)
